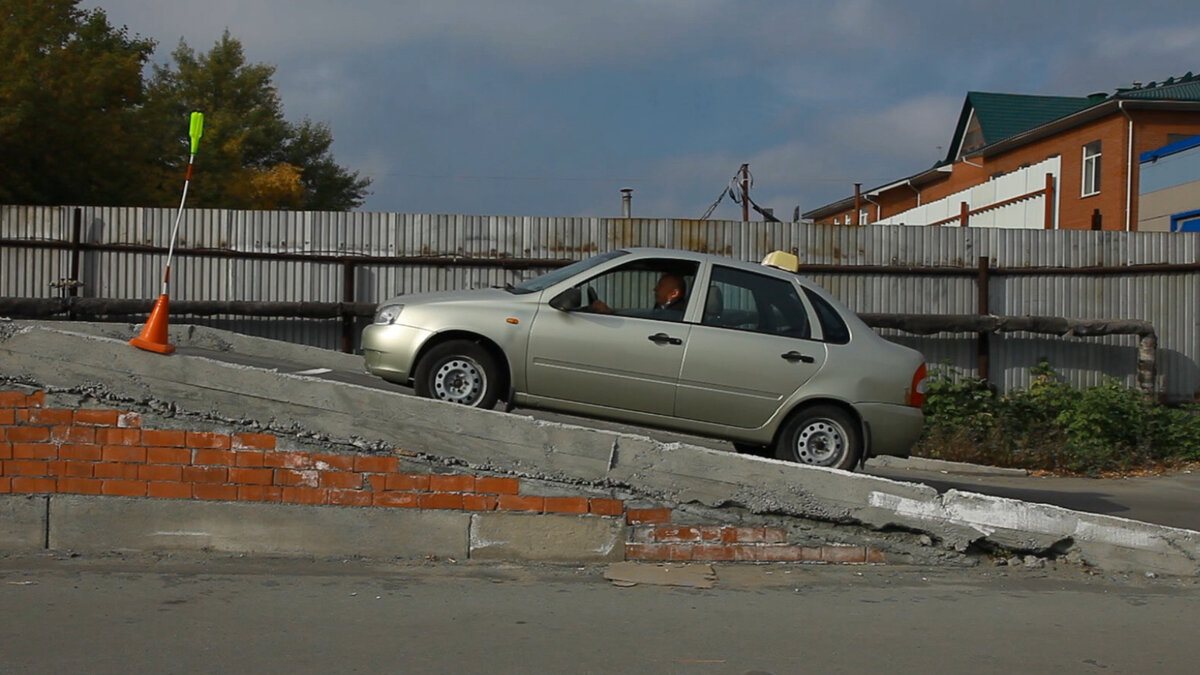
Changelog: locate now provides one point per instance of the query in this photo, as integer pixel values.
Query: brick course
(89, 451)
(106, 452)
(720, 543)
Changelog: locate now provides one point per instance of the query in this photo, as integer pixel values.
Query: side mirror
(568, 300)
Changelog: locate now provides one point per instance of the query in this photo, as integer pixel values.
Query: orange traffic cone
(154, 333)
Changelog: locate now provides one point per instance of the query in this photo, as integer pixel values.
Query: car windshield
(548, 279)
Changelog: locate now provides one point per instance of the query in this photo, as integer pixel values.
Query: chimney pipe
(857, 203)
(626, 202)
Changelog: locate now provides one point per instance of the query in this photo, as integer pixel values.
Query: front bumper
(894, 428)
(390, 350)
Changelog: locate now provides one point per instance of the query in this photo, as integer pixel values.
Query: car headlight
(388, 314)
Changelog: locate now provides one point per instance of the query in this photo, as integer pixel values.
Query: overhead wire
(734, 190)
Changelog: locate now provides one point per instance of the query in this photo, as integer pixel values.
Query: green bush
(1054, 426)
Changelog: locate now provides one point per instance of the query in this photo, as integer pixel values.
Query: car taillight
(916, 393)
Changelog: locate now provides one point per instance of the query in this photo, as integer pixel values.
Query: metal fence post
(348, 294)
(983, 341)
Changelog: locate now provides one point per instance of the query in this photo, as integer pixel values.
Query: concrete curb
(95, 524)
(109, 369)
(942, 466)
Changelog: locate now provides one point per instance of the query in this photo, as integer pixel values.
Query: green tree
(251, 157)
(70, 84)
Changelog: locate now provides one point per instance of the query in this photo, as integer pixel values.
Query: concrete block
(547, 538)
(22, 523)
(86, 523)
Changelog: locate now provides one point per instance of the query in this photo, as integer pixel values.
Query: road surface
(221, 614)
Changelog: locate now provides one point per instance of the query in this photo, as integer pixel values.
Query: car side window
(833, 326)
(755, 302)
(650, 289)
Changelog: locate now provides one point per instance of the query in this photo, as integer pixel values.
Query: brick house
(1036, 162)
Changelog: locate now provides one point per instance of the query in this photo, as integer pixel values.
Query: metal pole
(348, 268)
(854, 217)
(983, 342)
(745, 193)
(1049, 198)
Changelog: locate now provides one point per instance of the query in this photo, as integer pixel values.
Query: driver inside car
(669, 299)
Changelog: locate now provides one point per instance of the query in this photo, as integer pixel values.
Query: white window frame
(1090, 170)
(864, 216)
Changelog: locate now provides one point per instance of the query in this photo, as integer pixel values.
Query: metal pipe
(878, 207)
(1128, 165)
(626, 202)
(983, 339)
(552, 263)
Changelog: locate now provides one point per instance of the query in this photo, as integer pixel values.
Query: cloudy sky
(548, 108)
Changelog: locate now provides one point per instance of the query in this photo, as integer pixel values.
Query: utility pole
(745, 192)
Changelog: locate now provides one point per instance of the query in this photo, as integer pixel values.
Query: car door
(753, 349)
(627, 356)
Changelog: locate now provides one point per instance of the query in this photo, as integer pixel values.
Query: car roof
(713, 258)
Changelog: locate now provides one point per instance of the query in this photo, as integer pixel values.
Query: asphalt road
(1171, 500)
(220, 615)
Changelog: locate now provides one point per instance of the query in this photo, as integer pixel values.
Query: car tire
(459, 371)
(821, 435)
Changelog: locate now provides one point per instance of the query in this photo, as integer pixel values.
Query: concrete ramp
(210, 378)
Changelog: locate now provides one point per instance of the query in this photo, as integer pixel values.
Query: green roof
(1006, 115)
(1186, 88)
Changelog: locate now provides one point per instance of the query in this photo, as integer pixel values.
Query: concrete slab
(97, 524)
(663, 574)
(547, 538)
(22, 522)
(942, 465)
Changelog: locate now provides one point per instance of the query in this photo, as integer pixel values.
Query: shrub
(1054, 426)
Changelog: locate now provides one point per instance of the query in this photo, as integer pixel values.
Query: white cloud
(821, 95)
(912, 128)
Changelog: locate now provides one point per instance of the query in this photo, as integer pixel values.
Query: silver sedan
(754, 354)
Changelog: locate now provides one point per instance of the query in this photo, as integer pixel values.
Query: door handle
(664, 339)
(795, 356)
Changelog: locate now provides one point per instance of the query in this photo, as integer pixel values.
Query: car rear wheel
(822, 435)
(459, 371)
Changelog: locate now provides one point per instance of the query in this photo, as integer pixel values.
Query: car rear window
(747, 301)
(833, 327)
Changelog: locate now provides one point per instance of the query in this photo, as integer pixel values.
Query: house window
(1091, 169)
(863, 217)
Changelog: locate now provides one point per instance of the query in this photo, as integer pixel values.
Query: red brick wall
(109, 452)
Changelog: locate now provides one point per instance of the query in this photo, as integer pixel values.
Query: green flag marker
(196, 130)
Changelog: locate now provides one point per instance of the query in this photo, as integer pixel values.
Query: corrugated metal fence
(384, 254)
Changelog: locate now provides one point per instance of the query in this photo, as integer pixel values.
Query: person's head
(668, 289)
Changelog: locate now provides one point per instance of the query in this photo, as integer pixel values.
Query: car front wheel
(459, 371)
(822, 435)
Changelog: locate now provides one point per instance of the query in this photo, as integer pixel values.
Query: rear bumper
(893, 428)
(389, 351)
